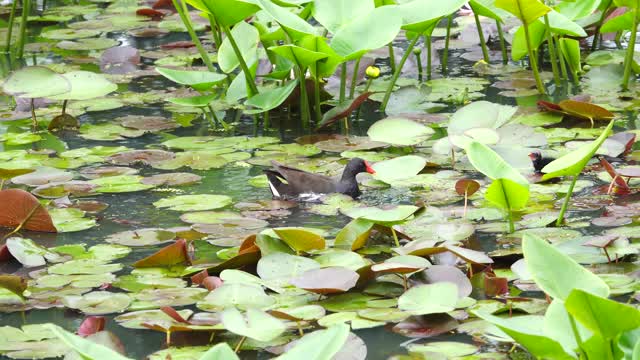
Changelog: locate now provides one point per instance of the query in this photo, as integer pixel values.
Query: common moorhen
(539, 162)
(306, 186)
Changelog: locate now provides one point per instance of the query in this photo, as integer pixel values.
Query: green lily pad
(235, 295)
(429, 299)
(69, 34)
(136, 319)
(86, 85)
(86, 44)
(70, 220)
(29, 254)
(194, 202)
(120, 183)
(83, 266)
(98, 302)
(399, 131)
(35, 82)
(141, 237)
(257, 325)
(399, 168)
(389, 215)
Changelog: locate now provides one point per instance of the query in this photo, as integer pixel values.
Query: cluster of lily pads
(411, 257)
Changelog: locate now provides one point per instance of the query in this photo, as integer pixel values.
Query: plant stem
(240, 344)
(509, 214)
(34, 120)
(343, 81)
(395, 236)
(565, 204)
(628, 61)
(183, 11)
(552, 52)
(396, 73)
(563, 66)
(532, 58)
(419, 65)
(304, 99)
(576, 335)
(596, 35)
(354, 78)
(392, 58)
(253, 90)
(445, 53)
(483, 46)
(215, 32)
(316, 96)
(26, 6)
(12, 17)
(503, 44)
(427, 41)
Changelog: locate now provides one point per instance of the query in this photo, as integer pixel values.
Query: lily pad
(98, 302)
(398, 131)
(194, 202)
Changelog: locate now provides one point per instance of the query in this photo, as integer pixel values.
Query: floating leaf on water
(86, 85)
(301, 239)
(141, 237)
(153, 298)
(257, 325)
(241, 296)
(194, 202)
(98, 302)
(147, 123)
(85, 44)
(389, 215)
(172, 179)
(42, 176)
(448, 349)
(353, 143)
(120, 183)
(30, 254)
(136, 319)
(398, 168)
(69, 34)
(399, 131)
(326, 280)
(450, 274)
(173, 254)
(35, 82)
(282, 266)
(142, 157)
(429, 299)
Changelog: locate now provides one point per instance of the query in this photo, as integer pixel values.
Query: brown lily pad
(172, 179)
(141, 157)
(21, 208)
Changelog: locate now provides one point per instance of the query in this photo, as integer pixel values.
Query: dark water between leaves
(129, 211)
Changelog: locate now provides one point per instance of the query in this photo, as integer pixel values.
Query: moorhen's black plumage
(290, 183)
(539, 162)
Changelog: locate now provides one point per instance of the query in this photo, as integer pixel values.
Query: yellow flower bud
(373, 72)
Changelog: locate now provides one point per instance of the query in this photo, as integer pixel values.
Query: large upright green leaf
(556, 273)
(537, 31)
(294, 25)
(492, 165)
(528, 332)
(488, 8)
(333, 14)
(527, 11)
(577, 9)
(507, 194)
(421, 15)
(560, 24)
(367, 32)
(571, 51)
(298, 55)
(35, 82)
(247, 38)
(199, 80)
(326, 66)
(330, 341)
(627, 3)
(271, 99)
(603, 316)
(573, 162)
(226, 12)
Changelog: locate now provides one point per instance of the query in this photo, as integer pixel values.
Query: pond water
(135, 210)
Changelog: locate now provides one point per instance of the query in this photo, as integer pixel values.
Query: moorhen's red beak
(369, 168)
(532, 156)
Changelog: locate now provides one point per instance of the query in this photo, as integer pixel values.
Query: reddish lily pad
(328, 280)
(21, 208)
(173, 254)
